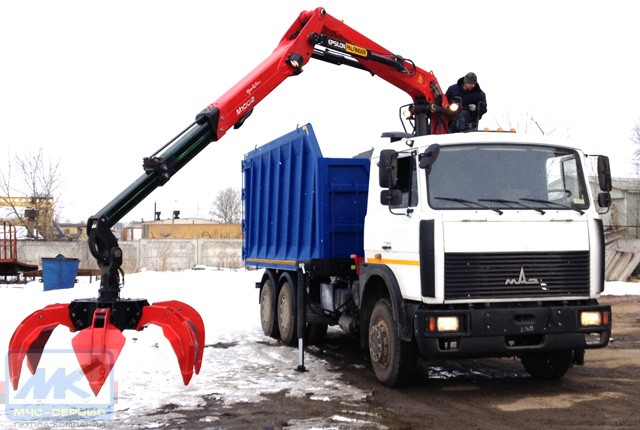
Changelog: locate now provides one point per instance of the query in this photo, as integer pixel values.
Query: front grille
(514, 275)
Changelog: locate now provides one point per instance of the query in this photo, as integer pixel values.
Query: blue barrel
(59, 272)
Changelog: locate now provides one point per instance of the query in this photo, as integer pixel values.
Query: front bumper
(509, 331)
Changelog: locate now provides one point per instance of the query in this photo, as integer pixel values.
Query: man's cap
(470, 78)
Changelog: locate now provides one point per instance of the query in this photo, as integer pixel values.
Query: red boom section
(296, 48)
(415, 81)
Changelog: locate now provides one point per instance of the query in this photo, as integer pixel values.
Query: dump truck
(480, 244)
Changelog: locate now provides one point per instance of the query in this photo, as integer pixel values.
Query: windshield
(506, 176)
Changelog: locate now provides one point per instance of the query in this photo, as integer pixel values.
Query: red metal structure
(100, 321)
(8, 243)
(9, 264)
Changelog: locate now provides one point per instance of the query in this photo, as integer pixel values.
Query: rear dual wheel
(314, 334)
(287, 323)
(277, 311)
(268, 302)
(278, 314)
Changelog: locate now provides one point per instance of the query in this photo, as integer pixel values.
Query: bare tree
(28, 192)
(635, 139)
(530, 124)
(227, 207)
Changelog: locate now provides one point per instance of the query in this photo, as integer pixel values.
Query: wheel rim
(265, 310)
(284, 313)
(379, 343)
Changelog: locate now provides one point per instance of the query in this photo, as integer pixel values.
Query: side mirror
(429, 156)
(390, 197)
(604, 200)
(388, 168)
(604, 173)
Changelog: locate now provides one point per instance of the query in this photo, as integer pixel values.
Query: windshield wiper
(512, 202)
(552, 203)
(468, 203)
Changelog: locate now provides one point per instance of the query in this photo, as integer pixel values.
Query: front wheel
(393, 360)
(547, 364)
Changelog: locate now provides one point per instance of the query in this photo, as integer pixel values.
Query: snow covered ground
(240, 363)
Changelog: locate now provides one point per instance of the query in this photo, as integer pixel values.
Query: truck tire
(268, 305)
(287, 314)
(393, 360)
(547, 364)
(287, 320)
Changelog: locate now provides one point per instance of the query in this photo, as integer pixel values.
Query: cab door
(392, 223)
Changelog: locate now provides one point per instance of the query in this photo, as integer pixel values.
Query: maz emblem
(522, 280)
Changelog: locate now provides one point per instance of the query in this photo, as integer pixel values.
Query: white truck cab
(491, 245)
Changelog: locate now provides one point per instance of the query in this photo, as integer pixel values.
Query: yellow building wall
(194, 231)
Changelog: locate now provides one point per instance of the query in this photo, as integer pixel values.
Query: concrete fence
(151, 254)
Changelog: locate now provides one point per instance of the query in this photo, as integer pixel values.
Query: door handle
(386, 247)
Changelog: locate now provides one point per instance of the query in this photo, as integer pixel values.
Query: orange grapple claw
(178, 328)
(196, 324)
(97, 348)
(99, 341)
(31, 336)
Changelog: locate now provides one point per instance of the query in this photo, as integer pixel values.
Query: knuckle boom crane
(100, 321)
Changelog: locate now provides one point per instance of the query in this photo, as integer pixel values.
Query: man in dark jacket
(472, 100)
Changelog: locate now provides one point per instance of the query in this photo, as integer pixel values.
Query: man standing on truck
(472, 100)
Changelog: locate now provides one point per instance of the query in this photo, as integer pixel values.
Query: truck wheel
(393, 360)
(287, 314)
(268, 301)
(547, 364)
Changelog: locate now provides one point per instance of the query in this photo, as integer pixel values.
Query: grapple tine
(177, 331)
(34, 353)
(196, 324)
(98, 347)
(31, 335)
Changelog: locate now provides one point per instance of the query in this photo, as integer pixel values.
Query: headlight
(590, 318)
(444, 324)
(454, 107)
(407, 113)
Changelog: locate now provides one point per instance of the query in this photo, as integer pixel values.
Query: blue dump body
(300, 206)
